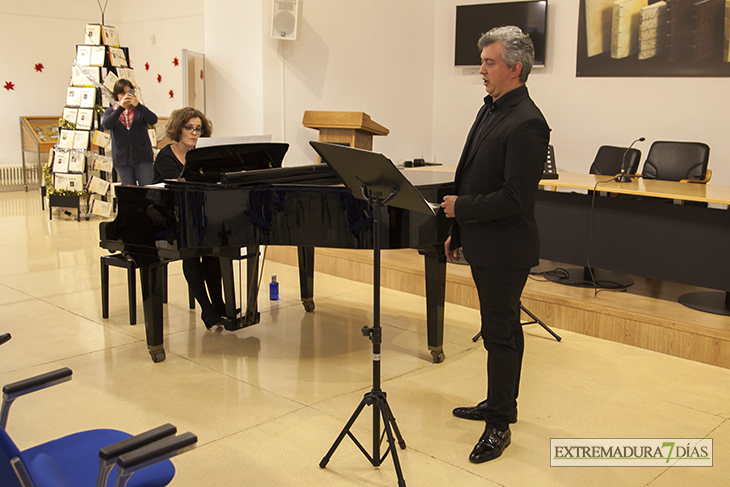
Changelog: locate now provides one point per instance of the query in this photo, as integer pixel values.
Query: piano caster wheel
(308, 306)
(157, 355)
(438, 356)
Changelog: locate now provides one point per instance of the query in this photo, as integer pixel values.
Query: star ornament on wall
(39, 67)
(175, 62)
(10, 86)
(159, 78)
(146, 66)
(201, 74)
(172, 95)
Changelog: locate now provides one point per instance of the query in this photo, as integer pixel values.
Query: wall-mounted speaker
(285, 19)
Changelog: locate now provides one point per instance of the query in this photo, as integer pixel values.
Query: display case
(38, 135)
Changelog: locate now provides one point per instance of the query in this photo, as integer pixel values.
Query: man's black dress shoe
(478, 413)
(490, 445)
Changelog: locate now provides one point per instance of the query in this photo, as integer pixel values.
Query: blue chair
(101, 457)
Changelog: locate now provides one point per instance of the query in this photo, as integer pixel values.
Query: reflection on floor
(268, 401)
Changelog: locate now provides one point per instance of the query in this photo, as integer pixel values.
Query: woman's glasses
(192, 129)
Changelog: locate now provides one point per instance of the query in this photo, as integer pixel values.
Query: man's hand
(451, 255)
(448, 205)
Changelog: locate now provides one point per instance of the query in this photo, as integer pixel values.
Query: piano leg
(252, 286)
(251, 315)
(229, 289)
(306, 276)
(152, 279)
(435, 263)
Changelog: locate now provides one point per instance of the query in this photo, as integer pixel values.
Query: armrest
(158, 451)
(705, 180)
(151, 454)
(13, 391)
(109, 455)
(137, 441)
(4, 338)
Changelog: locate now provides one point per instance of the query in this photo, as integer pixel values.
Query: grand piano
(234, 197)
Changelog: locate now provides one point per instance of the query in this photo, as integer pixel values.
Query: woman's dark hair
(180, 117)
(120, 85)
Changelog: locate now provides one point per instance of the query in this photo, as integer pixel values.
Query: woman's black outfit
(200, 272)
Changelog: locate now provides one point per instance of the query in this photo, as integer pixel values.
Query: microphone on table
(623, 178)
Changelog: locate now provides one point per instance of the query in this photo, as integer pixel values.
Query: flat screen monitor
(474, 20)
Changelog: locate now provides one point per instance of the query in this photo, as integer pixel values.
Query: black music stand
(206, 164)
(370, 176)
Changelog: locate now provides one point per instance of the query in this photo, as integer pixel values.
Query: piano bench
(118, 260)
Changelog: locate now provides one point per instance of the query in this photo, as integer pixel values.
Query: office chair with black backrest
(610, 160)
(678, 161)
(101, 457)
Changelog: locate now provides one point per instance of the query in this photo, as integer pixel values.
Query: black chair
(610, 159)
(685, 162)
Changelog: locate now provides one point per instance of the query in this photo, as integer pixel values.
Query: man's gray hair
(518, 47)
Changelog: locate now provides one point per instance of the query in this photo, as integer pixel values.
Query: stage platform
(647, 315)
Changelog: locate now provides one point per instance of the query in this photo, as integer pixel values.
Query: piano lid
(206, 164)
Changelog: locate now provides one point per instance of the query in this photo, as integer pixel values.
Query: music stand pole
(376, 397)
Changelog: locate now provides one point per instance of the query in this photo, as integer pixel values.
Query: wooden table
(639, 232)
(708, 193)
(643, 234)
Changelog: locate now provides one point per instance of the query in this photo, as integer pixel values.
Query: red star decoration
(201, 74)
(10, 86)
(175, 62)
(146, 66)
(159, 78)
(39, 67)
(172, 95)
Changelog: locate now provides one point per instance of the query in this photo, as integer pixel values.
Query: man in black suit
(494, 222)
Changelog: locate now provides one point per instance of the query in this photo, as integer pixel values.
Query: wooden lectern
(355, 129)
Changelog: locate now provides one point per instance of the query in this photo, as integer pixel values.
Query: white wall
(48, 33)
(45, 32)
(585, 113)
(233, 43)
(156, 32)
(390, 59)
(372, 56)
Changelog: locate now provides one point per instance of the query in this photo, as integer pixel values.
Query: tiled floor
(268, 401)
